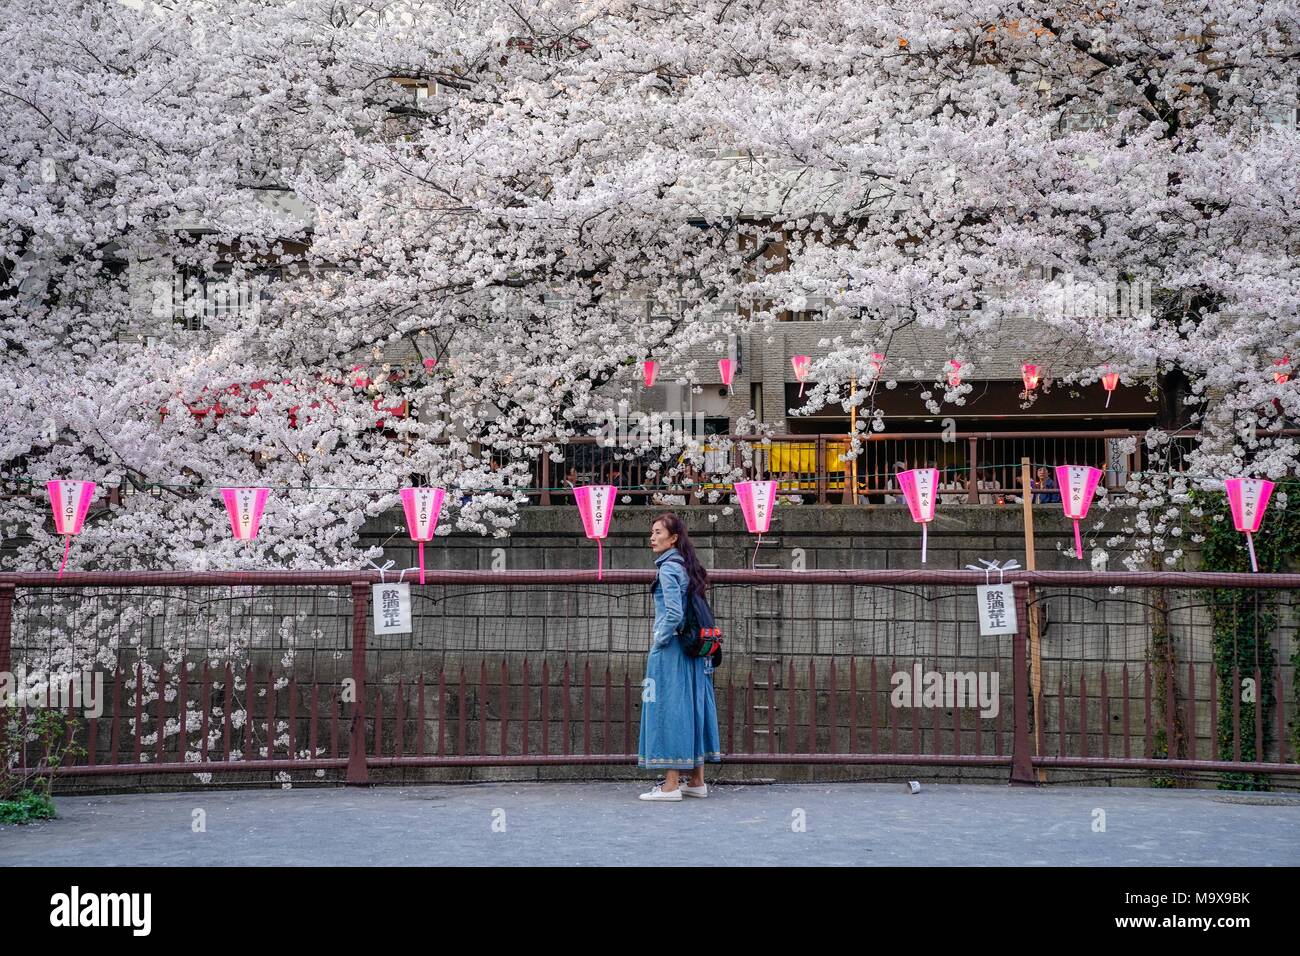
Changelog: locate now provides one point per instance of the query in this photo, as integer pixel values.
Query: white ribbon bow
(991, 566)
(388, 566)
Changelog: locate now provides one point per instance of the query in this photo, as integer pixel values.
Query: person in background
(1044, 487)
(892, 485)
(952, 487)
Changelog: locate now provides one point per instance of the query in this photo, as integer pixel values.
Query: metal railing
(977, 468)
(281, 671)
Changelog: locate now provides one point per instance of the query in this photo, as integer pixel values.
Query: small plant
(30, 805)
(26, 791)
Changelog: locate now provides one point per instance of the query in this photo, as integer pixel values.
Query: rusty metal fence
(235, 673)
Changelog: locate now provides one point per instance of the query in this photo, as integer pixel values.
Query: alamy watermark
(946, 689)
(626, 429)
(77, 909)
(1099, 298)
(74, 690)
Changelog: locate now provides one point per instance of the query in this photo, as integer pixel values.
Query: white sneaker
(701, 791)
(657, 794)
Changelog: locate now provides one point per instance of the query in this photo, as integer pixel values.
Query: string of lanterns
(1030, 374)
(1247, 499)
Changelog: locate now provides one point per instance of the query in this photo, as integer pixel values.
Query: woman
(679, 716)
(1045, 491)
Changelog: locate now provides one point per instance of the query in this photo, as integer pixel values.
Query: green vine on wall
(1243, 621)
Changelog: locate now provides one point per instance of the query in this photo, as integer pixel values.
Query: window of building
(199, 297)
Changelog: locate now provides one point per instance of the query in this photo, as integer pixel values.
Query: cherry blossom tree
(537, 196)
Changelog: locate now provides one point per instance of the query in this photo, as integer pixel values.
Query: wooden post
(1027, 498)
(1022, 771)
(545, 474)
(1035, 646)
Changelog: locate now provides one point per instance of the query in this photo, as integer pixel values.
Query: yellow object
(801, 457)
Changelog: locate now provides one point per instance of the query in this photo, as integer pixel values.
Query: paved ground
(604, 823)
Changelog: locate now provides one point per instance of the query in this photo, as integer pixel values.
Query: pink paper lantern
(877, 362)
(1109, 381)
(245, 506)
(1282, 370)
(800, 363)
(1248, 497)
(1077, 484)
(727, 370)
(70, 501)
(429, 363)
(649, 369)
(596, 505)
(954, 373)
(919, 488)
(757, 501)
(1030, 375)
(422, 507)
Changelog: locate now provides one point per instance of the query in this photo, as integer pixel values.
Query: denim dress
(679, 714)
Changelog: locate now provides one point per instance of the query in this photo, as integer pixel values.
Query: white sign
(763, 497)
(1116, 462)
(424, 514)
(392, 608)
(997, 609)
(245, 501)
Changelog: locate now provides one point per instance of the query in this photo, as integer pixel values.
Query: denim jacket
(670, 598)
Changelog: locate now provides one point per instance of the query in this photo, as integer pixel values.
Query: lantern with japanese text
(70, 500)
(757, 501)
(245, 506)
(1247, 498)
(423, 507)
(649, 368)
(920, 488)
(596, 504)
(1078, 483)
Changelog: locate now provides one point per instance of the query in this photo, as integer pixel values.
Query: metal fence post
(6, 627)
(1022, 768)
(358, 773)
(822, 477)
(973, 465)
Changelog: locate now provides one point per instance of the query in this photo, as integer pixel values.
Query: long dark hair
(697, 576)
